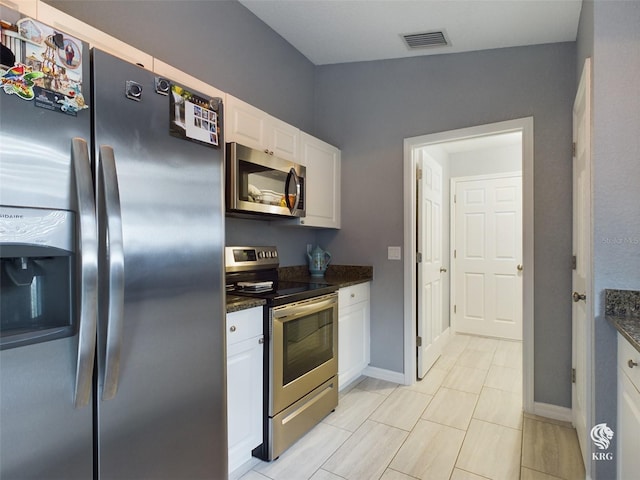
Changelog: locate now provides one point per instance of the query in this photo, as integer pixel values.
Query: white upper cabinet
(26, 7)
(250, 126)
(322, 182)
(172, 73)
(94, 37)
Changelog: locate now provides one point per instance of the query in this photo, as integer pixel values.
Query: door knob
(443, 270)
(520, 267)
(579, 296)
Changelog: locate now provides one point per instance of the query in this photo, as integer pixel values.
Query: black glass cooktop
(285, 291)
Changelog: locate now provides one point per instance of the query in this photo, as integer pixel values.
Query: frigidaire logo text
(10, 215)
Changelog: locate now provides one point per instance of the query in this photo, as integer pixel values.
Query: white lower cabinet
(244, 384)
(628, 409)
(353, 332)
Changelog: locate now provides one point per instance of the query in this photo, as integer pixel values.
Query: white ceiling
(339, 31)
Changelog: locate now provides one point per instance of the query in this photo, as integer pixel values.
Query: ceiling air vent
(426, 39)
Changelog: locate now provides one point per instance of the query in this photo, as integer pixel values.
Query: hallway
(464, 421)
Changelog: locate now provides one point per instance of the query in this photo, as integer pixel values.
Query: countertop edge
(628, 327)
(236, 304)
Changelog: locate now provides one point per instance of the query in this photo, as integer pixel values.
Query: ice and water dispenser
(37, 271)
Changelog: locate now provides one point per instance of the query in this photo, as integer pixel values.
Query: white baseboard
(554, 412)
(382, 374)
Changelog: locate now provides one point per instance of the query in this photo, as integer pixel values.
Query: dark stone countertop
(340, 275)
(622, 309)
(235, 303)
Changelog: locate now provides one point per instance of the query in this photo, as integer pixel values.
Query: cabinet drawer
(626, 354)
(243, 325)
(350, 295)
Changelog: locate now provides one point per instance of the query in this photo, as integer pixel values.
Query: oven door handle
(301, 309)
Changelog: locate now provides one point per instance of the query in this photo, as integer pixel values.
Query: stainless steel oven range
(301, 345)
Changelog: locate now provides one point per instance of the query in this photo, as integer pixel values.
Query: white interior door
(429, 265)
(581, 278)
(488, 257)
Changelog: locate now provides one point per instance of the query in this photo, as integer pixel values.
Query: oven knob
(260, 254)
(275, 254)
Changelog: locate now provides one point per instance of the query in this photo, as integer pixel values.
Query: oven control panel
(238, 259)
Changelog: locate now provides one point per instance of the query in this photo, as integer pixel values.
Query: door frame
(525, 126)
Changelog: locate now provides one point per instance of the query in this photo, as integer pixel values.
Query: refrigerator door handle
(113, 254)
(88, 271)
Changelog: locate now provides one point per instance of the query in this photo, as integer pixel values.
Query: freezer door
(42, 432)
(161, 385)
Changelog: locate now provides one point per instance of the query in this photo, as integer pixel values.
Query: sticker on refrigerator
(193, 117)
(47, 66)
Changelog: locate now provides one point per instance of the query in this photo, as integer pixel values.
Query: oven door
(260, 183)
(304, 349)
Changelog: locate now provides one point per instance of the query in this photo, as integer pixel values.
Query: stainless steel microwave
(259, 183)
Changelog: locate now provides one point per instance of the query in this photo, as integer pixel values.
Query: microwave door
(296, 194)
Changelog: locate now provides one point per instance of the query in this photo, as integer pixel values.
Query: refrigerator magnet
(19, 80)
(45, 59)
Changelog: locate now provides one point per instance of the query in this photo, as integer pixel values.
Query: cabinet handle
(261, 340)
(353, 295)
(266, 150)
(632, 364)
(233, 328)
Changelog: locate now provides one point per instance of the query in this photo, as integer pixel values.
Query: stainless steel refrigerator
(112, 364)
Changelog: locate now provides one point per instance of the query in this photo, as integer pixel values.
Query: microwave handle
(292, 175)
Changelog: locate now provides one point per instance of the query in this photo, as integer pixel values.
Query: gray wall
(369, 108)
(610, 33)
(225, 45)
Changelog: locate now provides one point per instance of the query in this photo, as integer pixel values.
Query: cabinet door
(628, 427)
(250, 126)
(322, 182)
(282, 139)
(244, 124)
(353, 336)
(244, 399)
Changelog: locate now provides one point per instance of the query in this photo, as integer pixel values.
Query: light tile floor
(464, 421)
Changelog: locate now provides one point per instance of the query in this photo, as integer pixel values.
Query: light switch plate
(394, 253)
